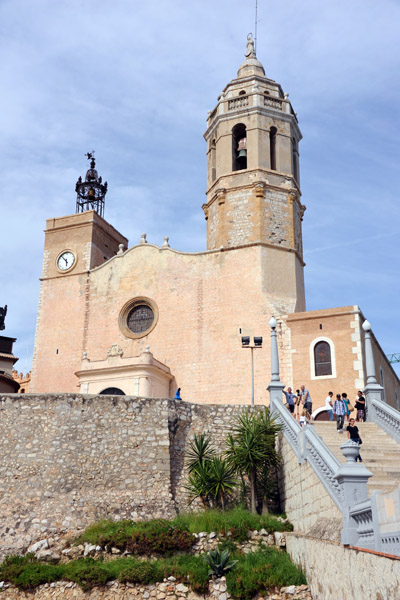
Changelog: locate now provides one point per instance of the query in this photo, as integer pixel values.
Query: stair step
(380, 453)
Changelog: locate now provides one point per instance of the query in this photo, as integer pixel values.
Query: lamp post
(257, 343)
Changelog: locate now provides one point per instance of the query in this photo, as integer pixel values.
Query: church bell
(242, 148)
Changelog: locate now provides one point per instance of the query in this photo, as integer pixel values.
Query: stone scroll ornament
(3, 312)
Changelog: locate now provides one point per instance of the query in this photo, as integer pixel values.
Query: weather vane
(255, 30)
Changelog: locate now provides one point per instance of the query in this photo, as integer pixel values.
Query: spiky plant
(218, 562)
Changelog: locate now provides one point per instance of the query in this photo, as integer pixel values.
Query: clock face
(65, 261)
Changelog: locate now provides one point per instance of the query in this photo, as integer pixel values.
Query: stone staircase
(380, 453)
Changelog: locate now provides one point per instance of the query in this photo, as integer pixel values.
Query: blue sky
(135, 81)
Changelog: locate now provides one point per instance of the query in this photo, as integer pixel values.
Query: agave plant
(218, 562)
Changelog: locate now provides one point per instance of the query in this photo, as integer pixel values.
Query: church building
(145, 320)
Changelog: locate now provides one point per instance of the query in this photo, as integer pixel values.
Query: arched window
(239, 147)
(112, 392)
(272, 147)
(322, 359)
(242, 93)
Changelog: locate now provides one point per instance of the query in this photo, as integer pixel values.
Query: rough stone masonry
(67, 460)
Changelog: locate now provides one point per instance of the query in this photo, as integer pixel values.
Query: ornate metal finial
(250, 52)
(91, 193)
(3, 312)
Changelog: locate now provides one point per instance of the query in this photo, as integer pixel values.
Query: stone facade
(67, 460)
(305, 501)
(200, 322)
(169, 589)
(202, 303)
(335, 572)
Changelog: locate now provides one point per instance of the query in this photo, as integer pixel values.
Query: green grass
(237, 521)
(254, 573)
(144, 538)
(257, 572)
(27, 573)
(165, 537)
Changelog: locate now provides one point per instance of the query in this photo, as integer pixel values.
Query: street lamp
(257, 343)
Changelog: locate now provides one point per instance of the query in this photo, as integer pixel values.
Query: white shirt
(329, 402)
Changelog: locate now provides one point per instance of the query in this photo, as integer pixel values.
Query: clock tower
(74, 245)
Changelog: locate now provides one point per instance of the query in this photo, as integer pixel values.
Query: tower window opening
(242, 93)
(213, 149)
(239, 147)
(272, 147)
(295, 160)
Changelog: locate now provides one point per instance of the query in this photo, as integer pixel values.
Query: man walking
(290, 398)
(329, 405)
(307, 402)
(339, 409)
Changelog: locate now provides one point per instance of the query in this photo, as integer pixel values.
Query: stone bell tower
(253, 182)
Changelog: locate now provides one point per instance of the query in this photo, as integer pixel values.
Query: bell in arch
(242, 148)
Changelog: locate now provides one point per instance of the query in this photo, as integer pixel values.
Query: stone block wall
(304, 499)
(335, 572)
(67, 460)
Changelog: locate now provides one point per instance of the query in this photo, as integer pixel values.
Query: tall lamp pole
(257, 343)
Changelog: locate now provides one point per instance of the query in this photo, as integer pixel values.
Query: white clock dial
(65, 261)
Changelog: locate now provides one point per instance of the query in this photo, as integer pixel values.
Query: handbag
(350, 406)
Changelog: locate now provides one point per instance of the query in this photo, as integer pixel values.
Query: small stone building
(147, 319)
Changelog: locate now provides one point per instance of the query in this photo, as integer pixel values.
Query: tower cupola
(251, 66)
(91, 193)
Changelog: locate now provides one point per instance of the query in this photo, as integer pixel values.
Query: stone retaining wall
(307, 504)
(335, 572)
(67, 460)
(168, 590)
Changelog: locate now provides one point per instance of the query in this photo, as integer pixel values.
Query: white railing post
(373, 391)
(275, 386)
(353, 480)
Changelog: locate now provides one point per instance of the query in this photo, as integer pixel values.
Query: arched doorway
(112, 391)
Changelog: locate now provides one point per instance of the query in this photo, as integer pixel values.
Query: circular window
(138, 317)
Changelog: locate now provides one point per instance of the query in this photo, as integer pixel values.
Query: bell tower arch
(253, 183)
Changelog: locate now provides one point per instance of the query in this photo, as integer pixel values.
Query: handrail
(324, 463)
(290, 427)
(387, 417)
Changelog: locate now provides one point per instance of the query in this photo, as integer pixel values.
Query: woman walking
(346, 403)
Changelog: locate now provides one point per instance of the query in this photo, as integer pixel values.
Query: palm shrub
(211, 477)
(200, 452)
(222, 479)
(251, 452)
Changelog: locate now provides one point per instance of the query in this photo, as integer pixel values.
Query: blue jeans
(330, 413)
